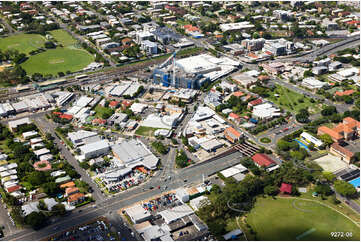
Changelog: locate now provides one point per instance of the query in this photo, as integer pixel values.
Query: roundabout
(265, 140)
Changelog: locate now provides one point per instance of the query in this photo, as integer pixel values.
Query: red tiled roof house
(232, 135)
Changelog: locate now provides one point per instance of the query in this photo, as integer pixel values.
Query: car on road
(150, 188)
(185, 180)
(285, 129)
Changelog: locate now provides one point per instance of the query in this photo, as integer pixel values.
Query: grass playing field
(24, 43)
(290, 100)
(51, 61)
(63, 37)
(58, 60)
(293, 219)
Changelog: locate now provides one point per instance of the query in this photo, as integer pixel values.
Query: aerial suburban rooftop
(180, 120)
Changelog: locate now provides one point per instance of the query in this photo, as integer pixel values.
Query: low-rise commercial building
(339, 151)
(133, 153)
(13, 125)
(137, 214)
(95, 149)
(312, 83)
(232, 135)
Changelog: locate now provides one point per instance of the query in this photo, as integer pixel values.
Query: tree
(36, 178)
(336, 118)
(283, 145)
(51, 188)
(271, 190)
(181, 159)
(42, 205)
(48, 136)
(345, 188)
(326, 139)
(20, 58)
(58, 209)
(329, 176)
(84, 165)
(16, 215)
(348, 100)
(328, 111)
(160, 147)
(49, 45)
(303, 116)
(307, 73)
(36, 220)
(324, 189)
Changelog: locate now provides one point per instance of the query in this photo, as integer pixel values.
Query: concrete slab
(331, 163)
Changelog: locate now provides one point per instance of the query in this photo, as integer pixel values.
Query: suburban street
(49, 127)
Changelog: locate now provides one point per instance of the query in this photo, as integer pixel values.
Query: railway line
(103, 75)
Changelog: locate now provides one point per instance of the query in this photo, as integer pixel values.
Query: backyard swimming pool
(355, 182)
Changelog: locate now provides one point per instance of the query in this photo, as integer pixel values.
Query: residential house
(253, 103)
(234, 117)
(68, 184)
(76, 199)
(71, 190)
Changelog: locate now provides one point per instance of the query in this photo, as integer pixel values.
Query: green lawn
(24, 43)
(289, 100)
(103, 112)
(265, 140)
(278, 219)
(57, 60)
(63, 37)
(145, 131)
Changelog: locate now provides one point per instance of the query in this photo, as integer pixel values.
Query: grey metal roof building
(134, 153)
(79, 137)
(95, 149)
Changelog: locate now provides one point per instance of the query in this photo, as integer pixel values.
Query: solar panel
(350, 175)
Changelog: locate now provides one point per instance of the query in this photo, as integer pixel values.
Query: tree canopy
(345, 188)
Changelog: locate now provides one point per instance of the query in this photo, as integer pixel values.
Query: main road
(193, 175)
(349, 42)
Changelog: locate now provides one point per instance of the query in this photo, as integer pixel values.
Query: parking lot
(98, 230)
(161, 203)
